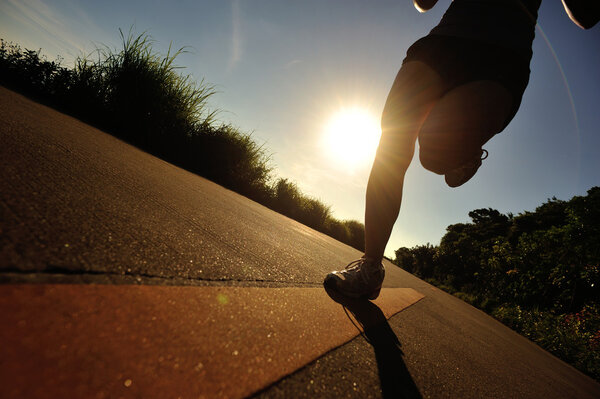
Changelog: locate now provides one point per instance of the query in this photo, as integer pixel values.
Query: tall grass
(152, 105)
(142, 97)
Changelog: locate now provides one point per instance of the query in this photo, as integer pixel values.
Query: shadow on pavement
(396, 381)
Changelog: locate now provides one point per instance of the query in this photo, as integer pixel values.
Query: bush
(573, 337)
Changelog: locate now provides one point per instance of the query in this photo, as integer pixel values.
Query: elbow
(589, 24)
(424, 5)
(585, 23)
(584, 14)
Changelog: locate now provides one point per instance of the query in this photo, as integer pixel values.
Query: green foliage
(139, 95)
(357, 234)
(28, 70)
(404, 258)
(537, 272)
(289, 200)
(574, 337)
(230, 158)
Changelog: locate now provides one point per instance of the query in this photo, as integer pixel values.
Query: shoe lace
(355, 264)
(475, 162)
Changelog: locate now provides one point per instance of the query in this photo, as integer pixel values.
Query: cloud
(236, 34)
(42, 24)
(292, 63)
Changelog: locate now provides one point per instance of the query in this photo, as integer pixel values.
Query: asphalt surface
(78, 206)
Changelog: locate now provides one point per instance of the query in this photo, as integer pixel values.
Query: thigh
(460, 61)
(461, 121)
(415, 90)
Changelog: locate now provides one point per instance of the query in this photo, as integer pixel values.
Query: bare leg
(412, 96)
(465, 117)
(417, 106)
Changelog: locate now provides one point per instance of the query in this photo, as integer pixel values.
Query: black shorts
(458, 61)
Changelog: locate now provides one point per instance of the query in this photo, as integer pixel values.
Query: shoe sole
(330, 283)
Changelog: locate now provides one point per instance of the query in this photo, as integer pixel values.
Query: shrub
(573, 337)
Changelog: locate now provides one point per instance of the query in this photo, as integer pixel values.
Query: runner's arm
(584, 13)
(424, 5)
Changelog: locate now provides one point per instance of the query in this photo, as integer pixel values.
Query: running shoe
(462, 174)
(360, 279)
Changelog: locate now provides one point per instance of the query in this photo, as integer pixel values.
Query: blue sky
(284, 68)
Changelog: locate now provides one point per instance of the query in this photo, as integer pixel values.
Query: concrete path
(97, 238)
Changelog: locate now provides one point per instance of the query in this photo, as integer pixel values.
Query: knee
(433, 153)
(394, 153)
(432, 161)
(396, 145)
(441, 152)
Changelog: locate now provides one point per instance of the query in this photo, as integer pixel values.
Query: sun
(351, 136)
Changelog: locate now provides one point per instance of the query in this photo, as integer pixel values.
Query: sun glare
(351, 137)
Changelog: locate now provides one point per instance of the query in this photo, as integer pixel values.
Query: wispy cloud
(236, 34)
(35, 18)
(292, 63)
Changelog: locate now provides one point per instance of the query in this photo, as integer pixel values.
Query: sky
(284, 69)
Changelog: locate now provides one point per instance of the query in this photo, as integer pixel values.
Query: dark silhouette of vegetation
(139, 96)
(538, 272)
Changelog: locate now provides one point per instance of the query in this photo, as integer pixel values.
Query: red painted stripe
(105, 341)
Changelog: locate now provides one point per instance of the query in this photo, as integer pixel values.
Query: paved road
(78, 206)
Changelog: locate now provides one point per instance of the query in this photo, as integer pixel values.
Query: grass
(144, 98)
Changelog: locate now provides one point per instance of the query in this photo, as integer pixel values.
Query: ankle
(370, 261)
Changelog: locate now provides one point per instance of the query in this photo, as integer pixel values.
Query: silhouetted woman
(457, 88)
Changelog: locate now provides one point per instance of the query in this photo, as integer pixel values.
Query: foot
(360, 279)
(462, 174)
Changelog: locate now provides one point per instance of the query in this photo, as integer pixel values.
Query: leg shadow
(396, 381)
